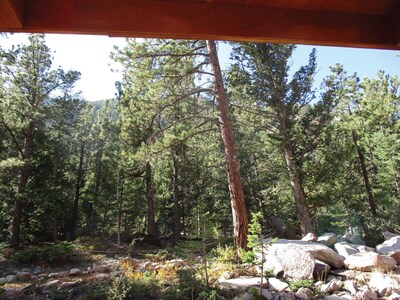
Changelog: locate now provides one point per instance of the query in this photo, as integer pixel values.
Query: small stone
(75, 272)
(333, 297)
(310, 237)
(245, 296)
(37, 271)
(287, 296)
(69, 284)
(304, 293)
(367, 295)
(321, 270)
(11, 278)
(101, 276)
(266, 294)
(277, 285)
(102, 268)
(43, 275)
(23, 276)
(350, 286)
(382, 284)
(3, 280)
(344, 295)
(53, 284)
(242, 282)
(59, 274)
(332, 286)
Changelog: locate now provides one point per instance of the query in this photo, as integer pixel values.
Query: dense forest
(184, 148)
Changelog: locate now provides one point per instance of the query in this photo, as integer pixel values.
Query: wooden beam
(394, 19)
(214, 19)
(11, 13)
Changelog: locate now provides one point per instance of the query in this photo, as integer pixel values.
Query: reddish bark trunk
(239, 211)
(23, 180)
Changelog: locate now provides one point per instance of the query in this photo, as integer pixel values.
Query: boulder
(11, 278)
(382, 284)
(75, 272)
(100, 269)
(388, 235)
(353, 239)
(370, 261)
(277, 285)
(390, 247)
(69, 284)
(3, 280)
(349, 285)
(266, 294)
(304, 293)
(318, 251)
(321, 270)
(310, 237)
(344, 249)
(23, 276)
(331, 286)
(293, 261)
(328, 239)
(53, 284)
(242, 282)
(245, 296)
(367, 295)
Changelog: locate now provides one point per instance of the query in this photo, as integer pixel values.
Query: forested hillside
(184, 149)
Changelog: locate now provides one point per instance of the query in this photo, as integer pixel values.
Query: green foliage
(224, 254)
(254, 240)
(52, 254)
(296, 284)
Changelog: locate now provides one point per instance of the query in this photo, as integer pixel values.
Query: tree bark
(299, 195)
(120, 192)
(151, 223)
(75, 209)
(239, 211)
(23, 180)
(175, 196)
(367, 185)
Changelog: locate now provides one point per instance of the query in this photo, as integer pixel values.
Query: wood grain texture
(354, 23)
(11, 13)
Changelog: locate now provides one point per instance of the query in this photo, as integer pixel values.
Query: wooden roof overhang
(353, 23)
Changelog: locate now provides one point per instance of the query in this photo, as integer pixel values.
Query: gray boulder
(328, 239)
(370, 261)
(318, 251)
(291, 262)
(242, 282)
(390, 247)
(344, 249)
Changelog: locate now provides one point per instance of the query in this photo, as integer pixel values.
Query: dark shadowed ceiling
(354, 23)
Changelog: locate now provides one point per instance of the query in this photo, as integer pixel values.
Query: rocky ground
(325, 267)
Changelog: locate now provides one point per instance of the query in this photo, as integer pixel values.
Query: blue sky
(90, 56)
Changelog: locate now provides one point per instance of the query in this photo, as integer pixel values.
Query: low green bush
(52, 254)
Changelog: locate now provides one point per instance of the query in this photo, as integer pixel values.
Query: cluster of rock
(24, 282)
(324, 260)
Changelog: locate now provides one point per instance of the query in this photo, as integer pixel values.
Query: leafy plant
(296, 284)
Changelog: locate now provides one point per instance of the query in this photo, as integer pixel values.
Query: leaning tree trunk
(303, 212)
(367, 185)
(239, 211)
(151, 222)
(23, 180)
